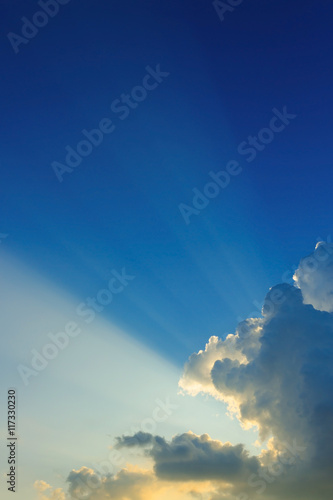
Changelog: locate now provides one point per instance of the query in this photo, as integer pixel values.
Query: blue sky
(120, 207)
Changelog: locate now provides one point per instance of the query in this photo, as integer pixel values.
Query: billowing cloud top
(314, 277)
(276, 373)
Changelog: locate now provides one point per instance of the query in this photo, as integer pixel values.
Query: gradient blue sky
(120, 207)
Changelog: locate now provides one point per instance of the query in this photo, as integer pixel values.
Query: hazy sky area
(166, 175)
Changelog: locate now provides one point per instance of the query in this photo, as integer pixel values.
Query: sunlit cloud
(275, 373)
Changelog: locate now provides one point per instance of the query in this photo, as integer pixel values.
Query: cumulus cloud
(133, 483)
(41, 486)
(314, 277)
(138, 439)
(82, 482)
(275, 373)
(86, 484)
(46, 492)
(186, 467)
(188, 457)
(279, 372)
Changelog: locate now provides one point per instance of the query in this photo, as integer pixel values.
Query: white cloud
(314, 277)
(275, 372)
(279, 376)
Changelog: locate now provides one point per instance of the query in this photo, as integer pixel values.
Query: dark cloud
(189, 457)
(138, 439)
(85, 484)
(278, 375)
(275, 372)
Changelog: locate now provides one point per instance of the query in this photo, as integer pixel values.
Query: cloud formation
(131, 483)
(188, 457)
(46, 492)
(86, 484)
(275, 373)
(314, 277)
